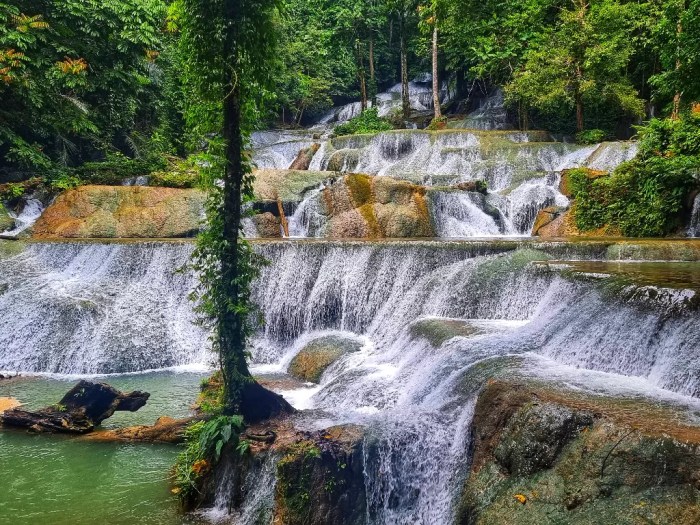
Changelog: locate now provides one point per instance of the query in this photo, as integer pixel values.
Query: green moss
(6, 222)
(368, 121)
(312, 360)
(295, 480)
(437, 331)
(10, 248)
(645, 197)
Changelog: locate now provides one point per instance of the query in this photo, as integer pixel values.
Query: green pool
(48, 479)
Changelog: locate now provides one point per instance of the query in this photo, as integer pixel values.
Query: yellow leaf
(521, 498)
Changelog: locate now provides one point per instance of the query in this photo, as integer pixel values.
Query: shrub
(368, 121)
(178, 174)
(116, 168)
(437, 124)
(644, 197)
(591, 136)
(204, 442)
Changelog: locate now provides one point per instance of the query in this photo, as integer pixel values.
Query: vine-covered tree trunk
(231, 326)
(243, 395)
(436, 82)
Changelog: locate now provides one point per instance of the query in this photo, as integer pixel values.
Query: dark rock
(83, 408)
(259, 404)
(535, 436)
(477, 186)
(267, 225)
(320, 479)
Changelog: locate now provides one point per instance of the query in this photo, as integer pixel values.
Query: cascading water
(436, 320)
(82, 308)
(31, 212)
(420, 94)
(694, 228)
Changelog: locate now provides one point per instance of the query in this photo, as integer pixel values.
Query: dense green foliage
(645, 197)
(366, 122)
(79, 80)
(204, 442)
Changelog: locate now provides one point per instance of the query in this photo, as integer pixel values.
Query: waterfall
(694, 228)
(458, 214)
(278, 149)
(31, 212)
(436, 320)
(83, 308)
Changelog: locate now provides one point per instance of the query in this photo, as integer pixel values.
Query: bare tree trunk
(372, 78)
(361, 77)
(405, 99)
(676, 113)
(579, 113)
(436, 82)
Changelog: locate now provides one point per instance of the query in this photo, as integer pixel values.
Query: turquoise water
(50, 479)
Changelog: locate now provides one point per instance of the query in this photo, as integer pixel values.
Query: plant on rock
(368, 121)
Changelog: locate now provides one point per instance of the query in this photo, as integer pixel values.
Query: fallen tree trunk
(83, 408)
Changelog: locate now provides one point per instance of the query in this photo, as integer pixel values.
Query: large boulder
(315, 357)
(122, 212)
(376, 207)
(543, 454)
(83, 408)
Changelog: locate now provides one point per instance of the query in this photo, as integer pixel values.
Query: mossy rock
(314, 358)
(6, 222)
(320, 479)
(438, 331)
(545, 454)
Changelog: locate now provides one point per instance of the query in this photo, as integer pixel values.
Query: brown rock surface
(122, 212)
(165, 430)
(305, 157)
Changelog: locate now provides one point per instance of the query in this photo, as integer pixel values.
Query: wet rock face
(122, 212)
(320, 479)
(535, 436)
(551, 456)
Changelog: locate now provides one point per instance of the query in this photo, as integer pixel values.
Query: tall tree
(231, 43)
(404, 11)
(581, 61)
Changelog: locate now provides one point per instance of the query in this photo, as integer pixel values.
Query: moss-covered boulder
(289, 186)
(122, 212)
(546, 455)
(437, 331)
(376, 207)
(6, 222)
(315, 357)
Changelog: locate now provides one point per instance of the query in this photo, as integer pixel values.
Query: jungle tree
(230, 44)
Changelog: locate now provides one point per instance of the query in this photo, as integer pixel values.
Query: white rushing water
(433, 320)
(420, 95)
(694, 228)
(31, 212)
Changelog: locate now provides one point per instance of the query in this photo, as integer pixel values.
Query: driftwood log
(83, 408)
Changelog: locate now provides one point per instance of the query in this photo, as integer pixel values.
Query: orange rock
(122, 212)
